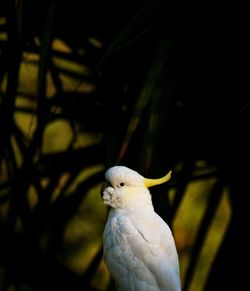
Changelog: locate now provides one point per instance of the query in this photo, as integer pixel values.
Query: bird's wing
(137, 256)
(157, 233)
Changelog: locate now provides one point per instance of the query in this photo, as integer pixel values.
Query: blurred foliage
(146, 84)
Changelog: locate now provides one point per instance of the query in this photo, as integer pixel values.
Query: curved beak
(153, 182)
(104, 186)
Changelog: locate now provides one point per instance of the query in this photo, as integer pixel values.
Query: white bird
(138, 246)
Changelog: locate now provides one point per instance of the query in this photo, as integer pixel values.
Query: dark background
(165, 95)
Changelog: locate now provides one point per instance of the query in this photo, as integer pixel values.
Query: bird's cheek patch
(110, 198)
(107, 196)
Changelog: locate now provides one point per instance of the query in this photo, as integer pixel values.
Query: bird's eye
(121, 184)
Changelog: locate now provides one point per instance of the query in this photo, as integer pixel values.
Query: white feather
(139, 248)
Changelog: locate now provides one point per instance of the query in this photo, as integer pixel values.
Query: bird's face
(125, 188)
(122, 187)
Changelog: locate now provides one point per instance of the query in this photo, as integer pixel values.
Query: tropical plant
(84, 86)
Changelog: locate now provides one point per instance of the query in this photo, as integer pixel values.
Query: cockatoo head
(126, 188)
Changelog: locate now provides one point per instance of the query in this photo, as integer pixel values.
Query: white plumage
(139, 248)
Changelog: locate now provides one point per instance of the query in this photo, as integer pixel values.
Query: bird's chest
(117, 232)
(119, 238)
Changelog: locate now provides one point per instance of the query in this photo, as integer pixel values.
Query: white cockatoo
(138, 246)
